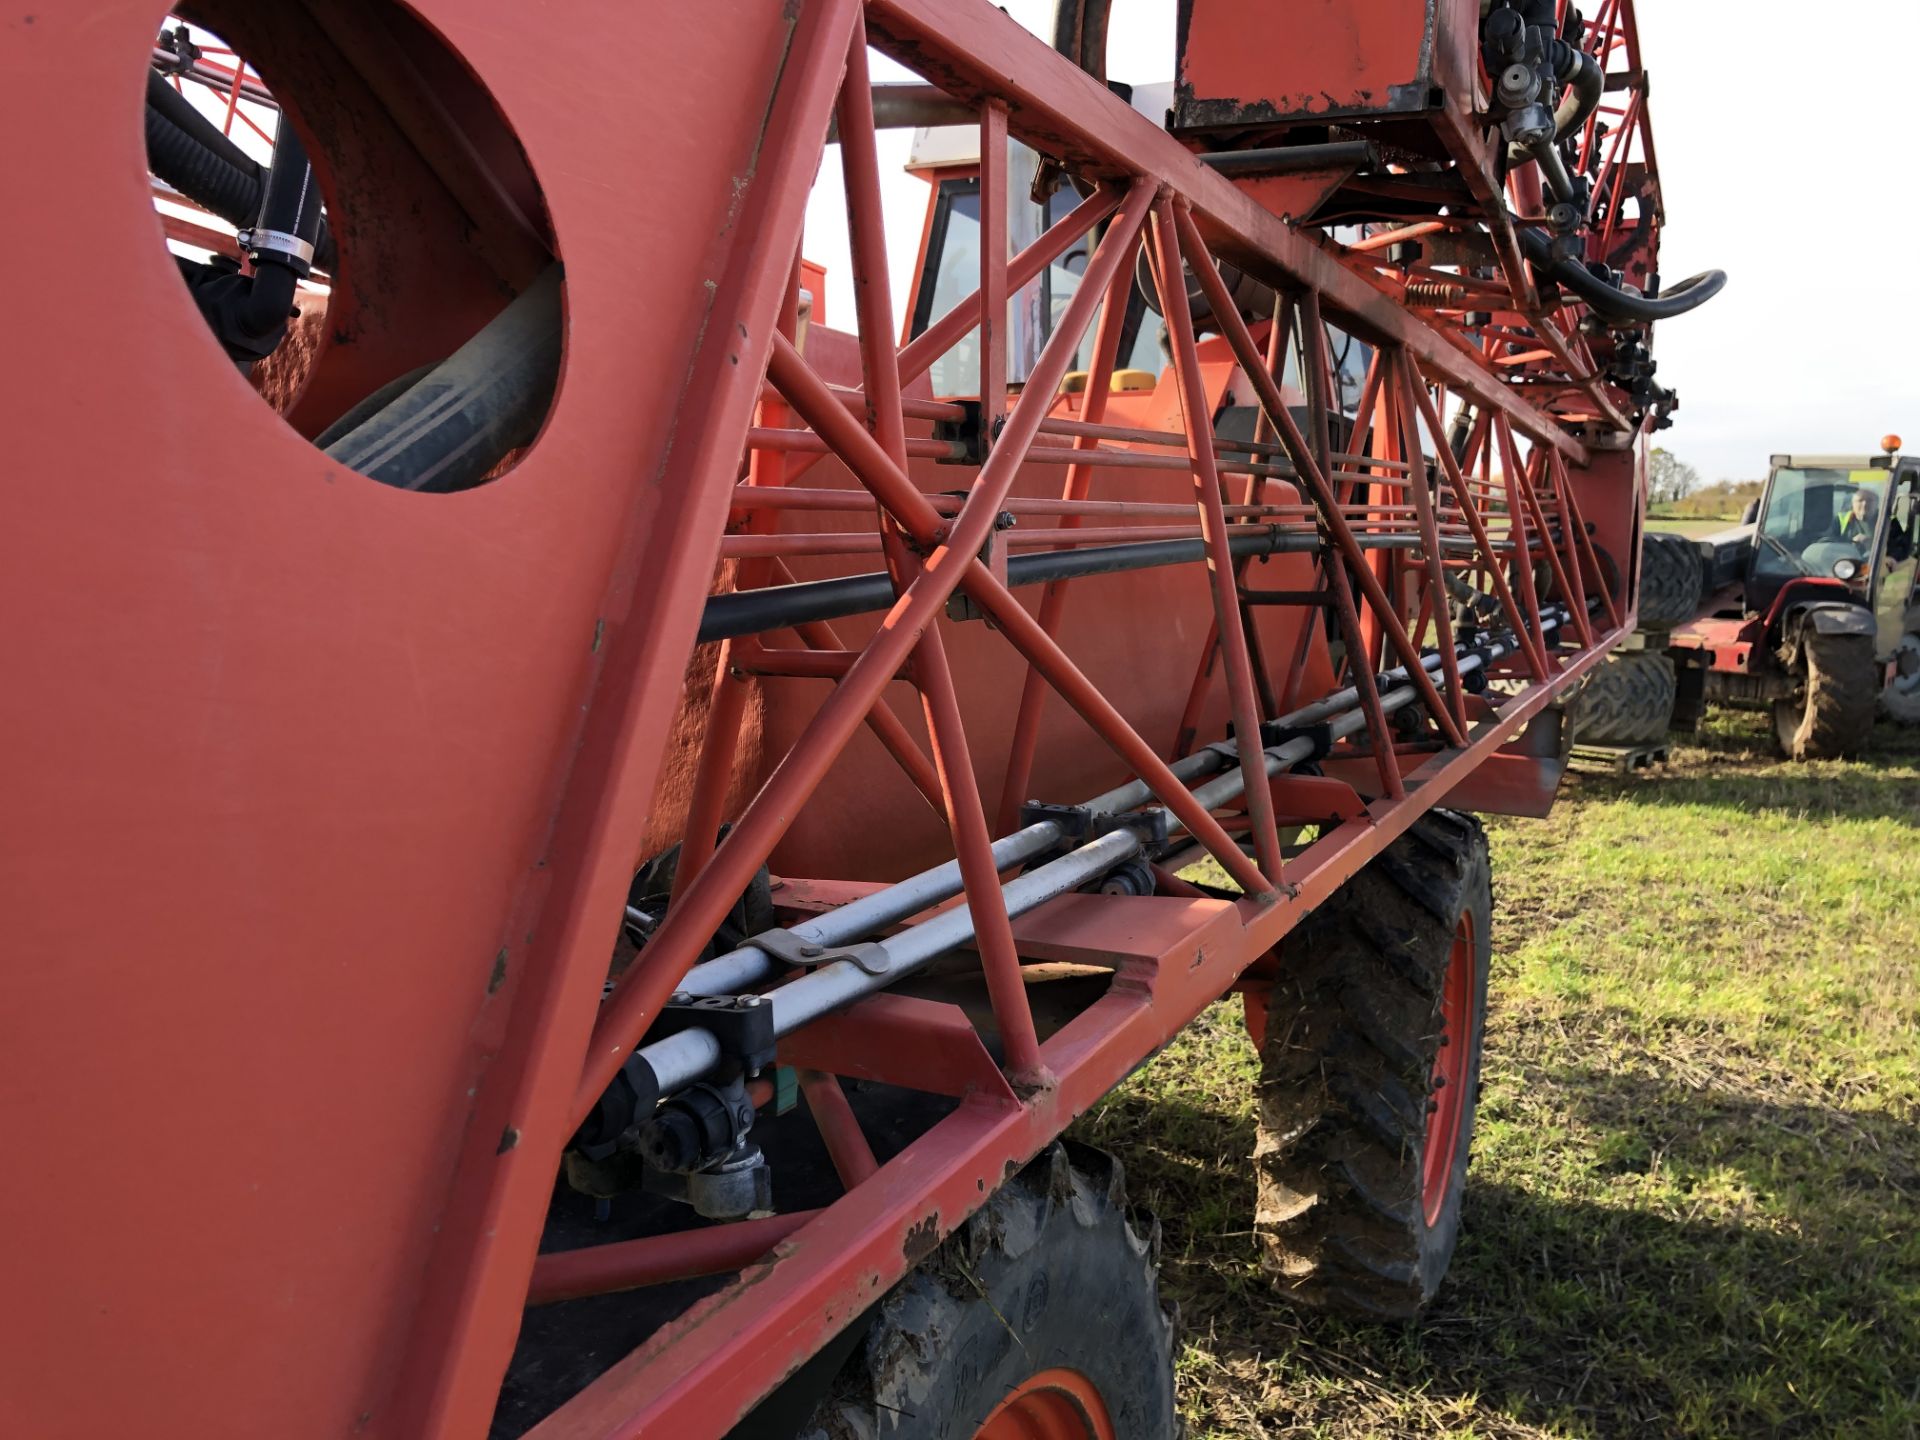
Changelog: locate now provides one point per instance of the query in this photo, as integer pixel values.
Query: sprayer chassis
(327, 797)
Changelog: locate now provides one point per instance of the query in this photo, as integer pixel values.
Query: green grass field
(1695, 1200)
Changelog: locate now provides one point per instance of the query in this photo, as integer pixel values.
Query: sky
(1789, 149)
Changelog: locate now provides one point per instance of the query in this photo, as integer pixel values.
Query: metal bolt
(752, 1002)
(680, 997)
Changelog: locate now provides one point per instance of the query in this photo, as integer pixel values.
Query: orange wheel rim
(1450, 1072)
(1053, 1405)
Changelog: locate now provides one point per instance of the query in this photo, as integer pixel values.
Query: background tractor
(1807, 608)
(1809, 605)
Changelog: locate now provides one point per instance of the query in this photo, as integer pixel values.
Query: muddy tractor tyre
(1671, 579)
(1900, 700)
(1370, 1071)
(1040, 1317)
(1626, 700)
(1832, 715)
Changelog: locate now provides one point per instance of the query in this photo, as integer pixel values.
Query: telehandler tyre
(1832, 716)
(1626, 700)
(1370, 1072)
(1671, 579)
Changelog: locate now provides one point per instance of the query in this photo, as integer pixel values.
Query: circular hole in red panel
(360, 232)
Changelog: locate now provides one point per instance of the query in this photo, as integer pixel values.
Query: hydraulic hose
(1585, 85)
(189, 152)
(184, 116)
(186, 150)
(1609, 300)
(1080, 34)
(280, 240)
(451, 426)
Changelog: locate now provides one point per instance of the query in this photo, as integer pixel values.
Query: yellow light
(1890, 443)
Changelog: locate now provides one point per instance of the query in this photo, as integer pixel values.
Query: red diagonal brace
(1228, 317)
(1229, 622)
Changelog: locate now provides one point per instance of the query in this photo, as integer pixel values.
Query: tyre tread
(1347, 1070)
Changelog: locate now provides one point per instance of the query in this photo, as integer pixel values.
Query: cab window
(951, 272)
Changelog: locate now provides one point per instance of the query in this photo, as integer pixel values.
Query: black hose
(1609, 300)
(198, 170)
(775, 607)
(453, 424)
(1553, 168)
(289, 207)
(186, 117)
(1585, 87)
(190, 153)
(1080, 34)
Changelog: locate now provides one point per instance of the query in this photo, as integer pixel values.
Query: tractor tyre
(1040, 1316)
(1626, 700)
(1832, 715)
(1370, 1071)
(1900, 700)
(1671, 579)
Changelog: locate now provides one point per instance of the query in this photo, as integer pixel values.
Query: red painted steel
(367, 773)
(839, 1128)
(1458, 1019)
(1209, 494)
(659, 1259)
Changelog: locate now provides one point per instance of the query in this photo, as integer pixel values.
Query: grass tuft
(1696, 1175)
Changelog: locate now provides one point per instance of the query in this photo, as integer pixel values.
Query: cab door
(1893, 593)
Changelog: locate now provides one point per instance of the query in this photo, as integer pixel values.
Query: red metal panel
(1241, 65)
(282, 868)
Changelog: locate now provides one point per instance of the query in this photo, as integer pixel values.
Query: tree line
(1674, 488)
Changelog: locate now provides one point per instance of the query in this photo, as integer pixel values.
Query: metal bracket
(1272, 734)
(967, 434)
(287, 248)
(1474, 681)
(790, 949)
(741, 1024)
(1078, 822)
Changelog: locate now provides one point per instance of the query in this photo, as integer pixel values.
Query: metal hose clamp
(278, 245)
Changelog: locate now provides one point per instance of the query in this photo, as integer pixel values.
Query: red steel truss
(780, 457)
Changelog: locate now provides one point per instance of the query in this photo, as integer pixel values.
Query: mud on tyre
(1042, 1307)
(1832, 716)
(1370, 1070)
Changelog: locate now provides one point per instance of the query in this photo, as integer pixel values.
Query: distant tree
(1722, 500)
(1669, 478)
